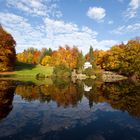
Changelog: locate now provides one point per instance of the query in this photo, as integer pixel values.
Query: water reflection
(6, 97)
(65, 110)
(123, 95)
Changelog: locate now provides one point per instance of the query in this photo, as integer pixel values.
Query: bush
(88, 72)
(61, 71)
(40, 75)
(98, 73)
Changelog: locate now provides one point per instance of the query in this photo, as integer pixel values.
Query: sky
(54, 23)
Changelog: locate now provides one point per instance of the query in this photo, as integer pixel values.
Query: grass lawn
(29, 70)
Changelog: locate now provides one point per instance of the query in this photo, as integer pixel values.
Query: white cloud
(107, 44)
(36, 7)
(61, 33)
(132, 9)
(51, 33)
(126, 29)
(21, 29)
(96, 13)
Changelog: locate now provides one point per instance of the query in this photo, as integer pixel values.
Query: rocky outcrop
(112, 77)
(81, 76)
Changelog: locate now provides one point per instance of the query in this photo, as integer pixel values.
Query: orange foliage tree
(33, 55)
(66, 56)
(7, 51)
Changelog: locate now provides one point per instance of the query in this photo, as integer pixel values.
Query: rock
(112, 77)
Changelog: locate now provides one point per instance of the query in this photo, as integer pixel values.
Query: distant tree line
(70, 57)
(122, 58)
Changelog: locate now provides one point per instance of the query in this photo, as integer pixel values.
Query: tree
(91, 57)
(45, 52)
(7, 51)
(66, 56)
(80, 61)
(124, 59)
(46, 61)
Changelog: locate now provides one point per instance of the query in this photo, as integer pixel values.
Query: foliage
(66, 56)
(80, 61)
(33, 55)
(90, 57)
(89, 72)
(124, 59)
(40, 75)
(44, 52)
(99, 55)
(61, 71)
(46, 61)
(70, 57)
(7, 51)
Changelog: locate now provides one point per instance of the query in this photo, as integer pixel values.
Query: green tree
(91, 56)
(80, 61)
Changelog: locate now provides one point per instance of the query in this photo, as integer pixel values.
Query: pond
(66, 110)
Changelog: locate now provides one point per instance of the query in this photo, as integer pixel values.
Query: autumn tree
(124, 59)
(7, 51)
(99, 57)
(90, 57)
(80, 61)
(31, 56)
(66, 56)
(131, 60)
(46, 61)
(44, 52)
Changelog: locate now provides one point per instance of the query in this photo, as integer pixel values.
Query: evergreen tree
(80, 61)
(92, 59)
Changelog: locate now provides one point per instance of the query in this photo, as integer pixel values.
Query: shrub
(89, 72)
(40, 75)
(61, 71)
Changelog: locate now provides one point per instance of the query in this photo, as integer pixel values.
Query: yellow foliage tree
(46, 61)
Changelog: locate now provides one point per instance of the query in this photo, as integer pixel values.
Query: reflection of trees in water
(121, 95)
(6, 97)
(63, 96)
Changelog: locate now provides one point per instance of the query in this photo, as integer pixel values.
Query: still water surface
(63, 110)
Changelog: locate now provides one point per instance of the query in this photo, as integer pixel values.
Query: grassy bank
(27, 72)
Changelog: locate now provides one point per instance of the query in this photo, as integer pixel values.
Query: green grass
(46, 81)
(29, 70)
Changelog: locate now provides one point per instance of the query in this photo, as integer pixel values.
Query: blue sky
(50, 23)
